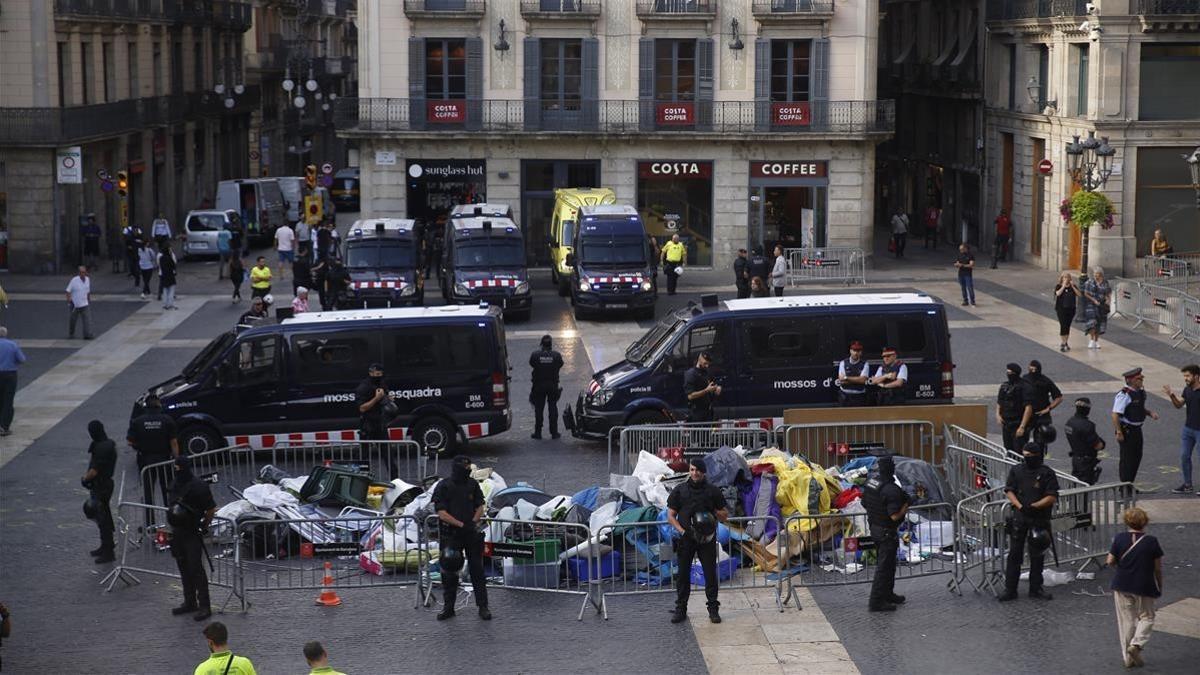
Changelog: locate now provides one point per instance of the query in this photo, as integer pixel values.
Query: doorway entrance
(539, 179)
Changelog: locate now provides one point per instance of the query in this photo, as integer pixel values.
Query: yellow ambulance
(562, 227)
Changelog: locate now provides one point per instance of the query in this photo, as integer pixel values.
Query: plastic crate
(533, 575)
(544, 551)
(609, 566)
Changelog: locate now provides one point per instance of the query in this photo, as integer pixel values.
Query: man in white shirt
(890, 378)
(303, 236)
(160, 230)
(285, 243)
(79, 295)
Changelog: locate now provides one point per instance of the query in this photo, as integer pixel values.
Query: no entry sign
(1045, 167)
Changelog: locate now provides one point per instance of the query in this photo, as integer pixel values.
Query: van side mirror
(551, 242)
(570, 261)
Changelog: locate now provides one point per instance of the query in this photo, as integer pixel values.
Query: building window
(1081, 88)
(445, 69)
(64, 74)
(1012, 77)
(1170, 78)
(675, 70)
(134, 90)
(1043, 76)
(110, 76)
(85, 75)
(790, 70)
(562, 74)
(1165, 199)
(198, 67)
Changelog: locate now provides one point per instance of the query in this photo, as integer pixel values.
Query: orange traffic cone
(328, 597)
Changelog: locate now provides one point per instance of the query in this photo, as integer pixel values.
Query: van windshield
(615, 250)
(489, 252)
(374, 254)
(652, 340)
(207, 356)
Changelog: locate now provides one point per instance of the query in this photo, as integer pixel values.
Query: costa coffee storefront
(676, 197)
(789, 204)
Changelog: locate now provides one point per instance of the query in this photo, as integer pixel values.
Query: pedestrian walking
(303, 238)
(90, 234)
(1003, 238)
(1085, 443)
(318, 659)
(221, 661)
(758, 288)
(693, 509)
(237, 275)
(11, 358)
(300, 302)
(852, 376)
(325, 241)
(1014, 409)
(741, 274)
(98, 480)
(1138, 580)
(758, 265)
(545, 391)
(1129, 413)
(1190, 439)
(302, 270)
(337, 282)
(260, 278)
(886, 505)
(700, 390)
(1045, 396)
(224, 250)
(899, 232)
(190, 512)
(285, 246)
(673, 253)
(1032, 490)
(1097, 294)
(655, 255)
(160, 231)
(154, 439)
(147, 263)
(890, 377)
(131, 235)
(459, 504)
(966, 273)
(1066, 295)
(779, 272)
(168, 269)
(79, 298)
(933, 222)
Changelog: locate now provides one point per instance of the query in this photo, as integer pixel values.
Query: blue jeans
(967, 283)
(1190, 438)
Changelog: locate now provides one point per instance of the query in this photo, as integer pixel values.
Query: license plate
(617, 305)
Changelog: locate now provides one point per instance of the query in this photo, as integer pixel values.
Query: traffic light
(122, 183)
(310, 176)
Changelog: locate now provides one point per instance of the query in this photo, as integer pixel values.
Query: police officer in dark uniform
(1014, 409)
(1129, 413)
(759, 266)
(337, 280)
(693, 508)
(700, 390)
(853, 373)
(99, 480)
(371, 395)
(545, 390)
(1045, 396)
(1084, 442)
(886, 504)
(189, 514)
(741, 274)
(1032, 489)
(153, 435)
(459, 503)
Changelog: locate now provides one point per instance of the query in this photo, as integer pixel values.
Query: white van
(292, 188)
(259, 203)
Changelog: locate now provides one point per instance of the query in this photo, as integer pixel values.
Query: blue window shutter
(474, 82)
(704, 84)
(590, 85)
(533, 84)
(646, 82)
(820, 82)
(416, 82)
(762, 84)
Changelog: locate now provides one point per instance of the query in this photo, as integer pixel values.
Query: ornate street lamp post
(1090, 164)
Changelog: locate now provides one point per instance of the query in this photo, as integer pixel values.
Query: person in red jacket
(1003, 237)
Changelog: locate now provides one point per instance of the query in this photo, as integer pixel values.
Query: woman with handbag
(1098, 294)
(1137, 557)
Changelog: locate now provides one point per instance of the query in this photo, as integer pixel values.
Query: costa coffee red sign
(446, 112)
(791, 114)
(789, 169)
(669, 170)
(673, 114)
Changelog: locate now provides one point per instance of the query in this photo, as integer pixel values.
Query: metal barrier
(1160, 306)
(960, 437)
(837, 443)
(970, 473)
(1189, 323)
(1165, 271)
(676, 443)
(847, 265)
(978, 534)
(1126, 296)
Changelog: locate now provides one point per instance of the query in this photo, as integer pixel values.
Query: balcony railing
(666, 8)
(472, 9)
(223, 13)
(1165, 7)
(377, 115)
(332, 65)
(581, 9)
(1007, 10)
(769, 9)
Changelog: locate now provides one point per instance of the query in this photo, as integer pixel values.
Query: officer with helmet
(544, 393)
(459, 503)
(1032, 490)
(1085, 443)
(1014, 408)
(693, 509)
(886, 505)
(191, 510)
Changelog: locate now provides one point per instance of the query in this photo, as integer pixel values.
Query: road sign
(1045, 167)
(326, 168)
(69, 164)
(254, 156)
(326, 181)
(106, 185)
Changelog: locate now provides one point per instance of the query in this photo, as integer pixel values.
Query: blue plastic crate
(725, 570)
(609, 566)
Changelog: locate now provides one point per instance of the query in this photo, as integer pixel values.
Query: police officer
(1044, 396)
(852, 377)
(759, 266)
(372, 397)
(1128, 415)
(890, 377)
(1084, 442)
(545, 390)
(1032, 490)
(693, 508)
(886, 504)
(459, 503)
(700, 390)
(189, 514)
(153, 436)
(1014, 409)
(99, 480)
(741, 274)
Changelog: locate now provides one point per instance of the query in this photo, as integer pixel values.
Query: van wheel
(580, 313)
(435, 434)
(197, 439)
(647, 417)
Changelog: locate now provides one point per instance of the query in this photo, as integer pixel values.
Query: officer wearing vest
(758, 266)
(1084, 442)
(672, 254)
(459, 503)
(891, 377)
(153, 436)
(852, 378)
(692, 509)
(1032, 490)
(1128, 415)
(545, 391)
(1014, 409)
(886, 505)
(1046, 396)
(189, 514)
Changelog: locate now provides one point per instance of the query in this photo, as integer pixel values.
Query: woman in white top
(779, 272)
(147, 259)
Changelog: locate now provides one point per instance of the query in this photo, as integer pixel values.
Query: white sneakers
(1093, 344)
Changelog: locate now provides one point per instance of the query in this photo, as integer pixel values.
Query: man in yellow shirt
(672, 255)
(260, 278)
(222, 661)
(318, 660)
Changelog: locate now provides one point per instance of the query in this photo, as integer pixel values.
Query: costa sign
(791, 169)
(446, 112)
(791, 114)
(676, 114)
(663, 170)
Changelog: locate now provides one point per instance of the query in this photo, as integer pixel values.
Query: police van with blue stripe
(483, 260)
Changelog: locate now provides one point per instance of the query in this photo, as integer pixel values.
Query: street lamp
(1036, 95)
(1193, 162)
(1090, 165)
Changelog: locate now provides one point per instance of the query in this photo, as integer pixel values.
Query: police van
(612, 266)
(567, 202)
(383, 261)
(769, 354)
(294, 381)
(483, 259)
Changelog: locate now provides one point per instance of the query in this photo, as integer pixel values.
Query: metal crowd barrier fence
(1189, 323)
(978, 533)
(676, 443)
(969, 472)
(837, 443)
(838, 550)
(960, 437)
(847, 265)
(1165, 271)
(1160, 306)
(1126, 296)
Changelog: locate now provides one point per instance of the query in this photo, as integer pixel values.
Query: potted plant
(1087, 210)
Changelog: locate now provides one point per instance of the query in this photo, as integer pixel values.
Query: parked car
(200, 230)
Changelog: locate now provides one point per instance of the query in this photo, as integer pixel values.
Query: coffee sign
(663, 170)
(789, 169)
(797, 114)
(446, 112)
(676, 114)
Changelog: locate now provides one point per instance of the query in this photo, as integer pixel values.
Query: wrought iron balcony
(560, 9)
(328, 9)
(701, 9)
(1165, 7)
(220, 13)
(463, 9)
(334, 66)
(1009, 10)
(767, 10)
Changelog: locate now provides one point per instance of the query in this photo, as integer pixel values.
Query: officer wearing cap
(545, 391)
(1032, 490)
(1014, 409)
(890, 377)
(1084, 442)
(886, 504)
(153, 436)
(1129, 413)
(693, 502)
(852, 377)
(459, 504)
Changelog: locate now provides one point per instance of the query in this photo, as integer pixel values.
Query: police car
(483, 259)
(446, 367)
(382, 258)
(612, 266)
(769, 354)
